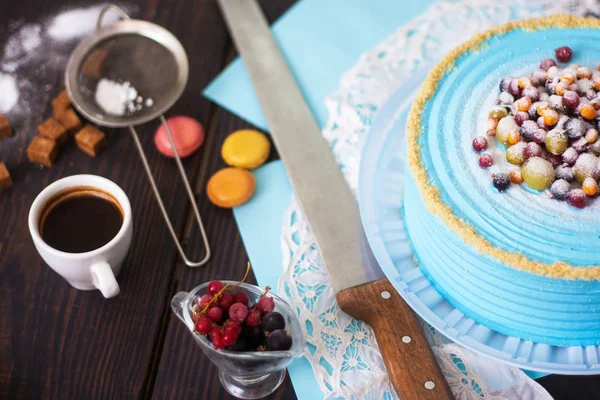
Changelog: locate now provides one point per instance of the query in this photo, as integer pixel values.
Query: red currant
(480, 143)
(521, 117)
(218, 342)
(232, 328)
(229, 339)
(241, 297)
(555, 159)
(214, 332)
(547, 63)
(533, 149)
(203, 324)
(265, 304)
(485, 160)
(216, 314)
(214, 287)
(226, 301)
(204, 300)
(253, 318)
(570, 99)
(238, 312)
(577, 198)
(563, 54)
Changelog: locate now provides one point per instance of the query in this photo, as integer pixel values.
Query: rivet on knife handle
(409, 360)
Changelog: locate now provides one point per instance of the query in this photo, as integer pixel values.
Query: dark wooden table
(57, 342)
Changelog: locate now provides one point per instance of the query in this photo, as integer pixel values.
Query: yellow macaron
(246, 148)
(230, 187)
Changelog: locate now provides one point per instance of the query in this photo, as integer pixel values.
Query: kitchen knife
(331, 210)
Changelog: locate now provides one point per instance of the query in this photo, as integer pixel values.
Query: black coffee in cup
(80, 219)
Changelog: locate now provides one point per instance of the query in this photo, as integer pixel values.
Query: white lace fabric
(343, 351)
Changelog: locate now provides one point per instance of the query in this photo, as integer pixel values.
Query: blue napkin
(320, 41)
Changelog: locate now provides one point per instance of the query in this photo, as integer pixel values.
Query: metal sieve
(154, 62)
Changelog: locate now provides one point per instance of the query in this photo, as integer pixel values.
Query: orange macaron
(231, 187)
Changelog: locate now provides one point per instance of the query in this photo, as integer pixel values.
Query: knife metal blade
(324, 196)
(331, 209)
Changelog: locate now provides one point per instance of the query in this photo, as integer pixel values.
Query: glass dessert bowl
(244, 374)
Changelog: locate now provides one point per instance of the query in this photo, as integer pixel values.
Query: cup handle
(104, 279)
(177, 303)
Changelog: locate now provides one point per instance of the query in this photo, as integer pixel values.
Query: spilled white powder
(32, 55)
(115, 98)
(78, 22)
(20, 47)
(9, 92)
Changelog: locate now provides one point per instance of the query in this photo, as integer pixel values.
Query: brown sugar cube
(5, 181)
(42, 151)
(90, 140)
(53, 130)
(69, 120)
(5, 130)
(61, 103)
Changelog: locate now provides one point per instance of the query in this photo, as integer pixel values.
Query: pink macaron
(188, 135)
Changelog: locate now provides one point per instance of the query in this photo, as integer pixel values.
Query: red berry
(214, 332)
(203, 324)
(226, 301)
(253, 318)
(570, 99)
(521, 116)
(480, 143)
(233, 329)
(218, 342)
(540, 123)
(204, 300)
(241, 297)
(238, 312)
(577, 198)
(513, 88)
(229, 339)
(216, 314)
(532, 93)
(555, 159)
(265, 304)
(563, 54)
(485, 160)
(539, 136)
(532, 150)
(547, 63)
(214, 287)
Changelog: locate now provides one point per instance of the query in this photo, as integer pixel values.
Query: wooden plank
(184, 371)
(57, 342)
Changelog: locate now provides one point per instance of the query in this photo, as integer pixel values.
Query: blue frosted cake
(493, 235)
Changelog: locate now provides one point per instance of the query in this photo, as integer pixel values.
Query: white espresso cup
(95, 269)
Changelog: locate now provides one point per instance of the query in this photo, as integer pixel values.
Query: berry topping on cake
(548, 124)
(501, 181)
(480, 143)
(485, 160)
(577, 198)
(560, 189)
(564, 54)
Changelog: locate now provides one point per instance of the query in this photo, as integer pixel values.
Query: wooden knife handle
(409, 360)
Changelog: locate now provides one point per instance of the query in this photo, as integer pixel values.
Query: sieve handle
(161, 205)
(106, 9)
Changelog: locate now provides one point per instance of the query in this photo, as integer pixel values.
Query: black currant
(273, 321)
(252, 336)
(279, 340)
(239, 345)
